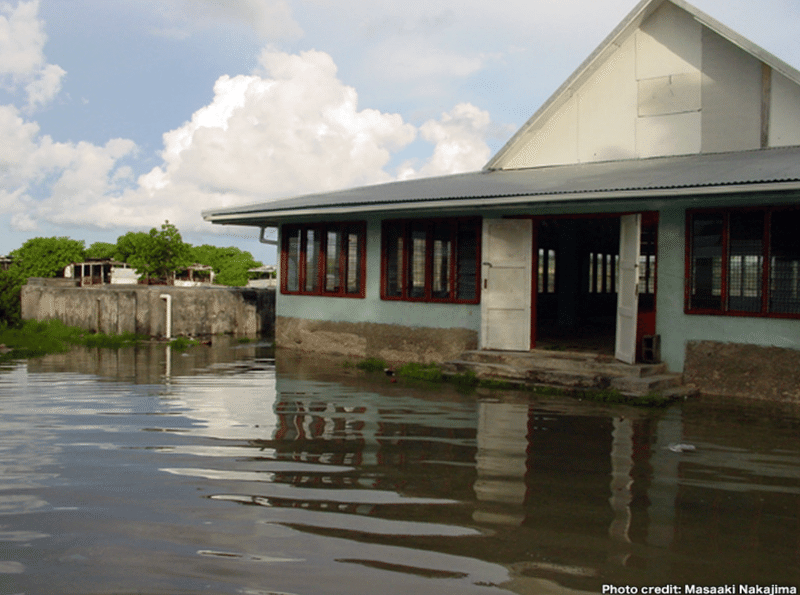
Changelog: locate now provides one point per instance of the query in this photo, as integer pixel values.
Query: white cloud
(291, 127)
(22, 59)
(74, 178)
(459, 140)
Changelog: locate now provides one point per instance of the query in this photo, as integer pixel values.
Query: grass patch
(181, 343)
(36, 338)
(372, 364)
(427, 372)
(244, 340)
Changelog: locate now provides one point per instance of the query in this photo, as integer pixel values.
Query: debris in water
(682, 447)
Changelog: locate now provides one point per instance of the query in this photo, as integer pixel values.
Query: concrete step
(570, 370)
(485, 370)
(646, 385)
(539, 360)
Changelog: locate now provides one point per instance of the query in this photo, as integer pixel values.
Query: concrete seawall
(196, 311)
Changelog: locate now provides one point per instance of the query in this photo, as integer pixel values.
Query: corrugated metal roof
(769, 169)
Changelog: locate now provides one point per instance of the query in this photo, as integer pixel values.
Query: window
(546, 275)
(744, 262)
(431, 260)
(324, 259)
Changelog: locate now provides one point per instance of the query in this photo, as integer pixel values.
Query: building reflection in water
(562, 491)
(555, 490)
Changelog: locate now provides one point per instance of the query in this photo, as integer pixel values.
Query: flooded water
(148, 471)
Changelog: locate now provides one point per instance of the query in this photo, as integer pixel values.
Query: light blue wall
(373, 308)
(675, 327)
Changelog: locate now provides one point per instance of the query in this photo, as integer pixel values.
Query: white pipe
(166, 296)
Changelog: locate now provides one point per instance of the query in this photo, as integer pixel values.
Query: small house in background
(5, 263)
(101, 271)
(263, 276)
(648, 210)
(194, 275)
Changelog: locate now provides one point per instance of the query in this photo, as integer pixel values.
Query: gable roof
(611, 43)
(768, 170)
(763, 170)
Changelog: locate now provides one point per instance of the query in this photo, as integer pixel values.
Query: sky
(116, 115)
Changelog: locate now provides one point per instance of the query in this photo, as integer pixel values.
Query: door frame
(650, 218)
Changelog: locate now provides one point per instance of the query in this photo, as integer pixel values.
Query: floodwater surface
(214, 471)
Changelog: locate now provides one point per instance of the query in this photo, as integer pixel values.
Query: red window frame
(459, 263)
(724, 279)
(323, 269)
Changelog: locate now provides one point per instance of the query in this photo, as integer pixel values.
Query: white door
(506, 296)
(630, 230)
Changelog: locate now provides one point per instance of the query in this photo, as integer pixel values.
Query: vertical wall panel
(675, 134)
(668, 42)
(607, 108)
(784, 126)
(731, 96)
(555, 143)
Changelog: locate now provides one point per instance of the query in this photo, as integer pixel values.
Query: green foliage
(181, 343)
(38, 257)
(428, 372)
(372, 364)
(46, 257)
(129, 244)
(32, 339)
(10, 308)
(157, 253)
(101, 250)
(230, 264)
(467, 378)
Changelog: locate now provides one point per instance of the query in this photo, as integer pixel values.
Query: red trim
(402, 227)
(535, 280)
(724, 309)
(344, 229)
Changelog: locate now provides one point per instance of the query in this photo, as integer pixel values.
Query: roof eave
(270, 218)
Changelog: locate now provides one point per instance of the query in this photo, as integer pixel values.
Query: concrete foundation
(196, 311)
(738, 370)
(391, 342)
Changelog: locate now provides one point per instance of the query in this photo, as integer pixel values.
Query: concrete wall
(196, 311)
(393, 343)
(739, 370)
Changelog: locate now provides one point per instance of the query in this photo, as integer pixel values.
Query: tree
(155, 254)
(230, 264)
(101, 250)
(38, 257)
(46, 257)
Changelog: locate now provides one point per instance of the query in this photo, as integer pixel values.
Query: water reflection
(229, 476)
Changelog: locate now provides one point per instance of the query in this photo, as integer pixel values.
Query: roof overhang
(762, 171)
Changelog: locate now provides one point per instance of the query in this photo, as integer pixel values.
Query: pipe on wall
(168, 298)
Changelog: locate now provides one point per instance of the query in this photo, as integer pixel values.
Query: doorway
(569, 283)
(575, 303)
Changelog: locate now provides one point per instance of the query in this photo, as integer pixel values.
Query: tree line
(156, 254)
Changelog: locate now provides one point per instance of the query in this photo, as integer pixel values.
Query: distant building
(263, 276)
(101, 271)
(194, 275)
(5, 262)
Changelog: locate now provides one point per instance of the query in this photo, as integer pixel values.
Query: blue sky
(115, 116)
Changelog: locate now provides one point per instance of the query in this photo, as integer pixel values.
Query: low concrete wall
(196, 311)
(738, 370)
(391, 342)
